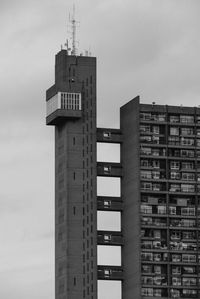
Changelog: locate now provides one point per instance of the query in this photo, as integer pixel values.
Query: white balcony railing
(64, 100)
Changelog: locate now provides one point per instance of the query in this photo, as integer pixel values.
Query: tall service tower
(71, 108)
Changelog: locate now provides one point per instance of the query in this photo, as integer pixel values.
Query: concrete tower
(71, 108)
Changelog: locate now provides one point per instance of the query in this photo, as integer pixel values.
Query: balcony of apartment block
(110, 273)
(109, 169)
(186, 142)
(154, 257)
(111, 238)
(182, 224)
(180, 292)
(153, 187)
(182, 211)
(153, 140)
(158, 175)
(156, 245)
(63, 106)
(182, 120)
(147, 151)
(155, 132)
(154, 281)
(183, 246)
(153, 291)
(177, 270)
(183, 154)
(109, 203)
(153, 270)
(185, 188)
(152, 118)
(150, 210)
(149, 221)
(107, 135)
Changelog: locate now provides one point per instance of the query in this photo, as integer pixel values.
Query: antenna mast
(73, 26)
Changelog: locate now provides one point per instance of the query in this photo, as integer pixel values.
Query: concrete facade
(75, 179)
(159, 202)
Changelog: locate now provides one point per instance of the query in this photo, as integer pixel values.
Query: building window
(189, 293)
(145, 128)
(155, 130)
(176, 281)
(189, 258)
(156, 187)
(159, 117)
(187, 153)
(172, 210)
(146, 209)
(176, 270)
(174, 119)
(174, 175)
(145, 163)
(188, 176)
(145, 116)
(173, 140)
(145, 139)
(106, 135)
(187, 141)
(175, 293)
(155, 152)
(187, 188)
(148, 292)
(198, 142)
(157, 269)
(174, 188)
(157, 293)
(147, 256)
(187, 131)
(145, 174)
(174, 131)
(155, 139)
(187, 211)
(176, 258)
(174, 165)
(175, 235)
(187, 119)
(189, 281)
(147, 280)
(107, 238)
(162, 210)
(147, 269)
(189, 270)
(157, 234)
(187, 165)
(146, 186)
(107, 169)
(145, 151)
(156, 164)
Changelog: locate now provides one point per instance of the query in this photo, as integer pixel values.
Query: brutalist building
(160, 183)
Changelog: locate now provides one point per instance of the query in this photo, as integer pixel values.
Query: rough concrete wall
(130, 192)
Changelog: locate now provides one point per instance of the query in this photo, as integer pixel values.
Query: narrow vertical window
(74, 281)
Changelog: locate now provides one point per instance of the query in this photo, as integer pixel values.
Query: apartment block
(159, 173)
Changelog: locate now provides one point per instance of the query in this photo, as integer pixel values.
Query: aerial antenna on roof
(73, 24)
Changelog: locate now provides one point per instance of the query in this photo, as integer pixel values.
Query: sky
(143, 47)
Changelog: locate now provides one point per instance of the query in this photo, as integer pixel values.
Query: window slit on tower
(74, 281)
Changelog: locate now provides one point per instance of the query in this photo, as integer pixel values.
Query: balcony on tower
(63, 106)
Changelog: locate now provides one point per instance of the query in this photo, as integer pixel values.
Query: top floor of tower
(75, 79)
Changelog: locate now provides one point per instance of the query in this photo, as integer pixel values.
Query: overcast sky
(144, 47)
